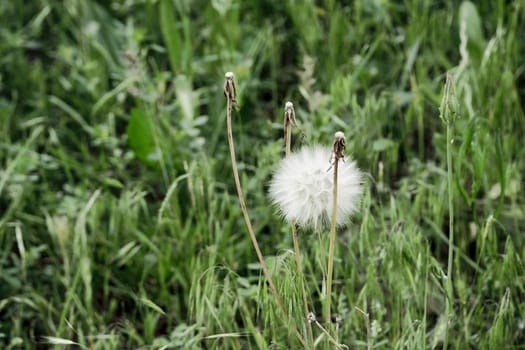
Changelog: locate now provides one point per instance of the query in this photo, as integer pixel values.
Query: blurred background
(119, 222)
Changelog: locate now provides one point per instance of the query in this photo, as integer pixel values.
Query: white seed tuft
(302, 187)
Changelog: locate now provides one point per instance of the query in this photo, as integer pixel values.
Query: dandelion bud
(339, 146)
(230, 90)
(289, 115)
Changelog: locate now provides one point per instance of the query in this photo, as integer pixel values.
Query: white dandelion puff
(302, 187)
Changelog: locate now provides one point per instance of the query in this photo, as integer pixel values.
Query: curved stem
(249, 224)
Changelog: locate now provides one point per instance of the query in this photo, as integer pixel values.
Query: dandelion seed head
(302, 187)
(228, 75)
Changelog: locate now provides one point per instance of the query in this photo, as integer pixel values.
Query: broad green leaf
(140, 136)
(171, 34)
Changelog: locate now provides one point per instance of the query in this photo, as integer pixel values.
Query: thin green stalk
(231, 95)
(450, 296)
(448, 114)
(425, 299)
(289, 116)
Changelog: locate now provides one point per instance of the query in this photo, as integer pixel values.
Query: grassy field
(120, 226)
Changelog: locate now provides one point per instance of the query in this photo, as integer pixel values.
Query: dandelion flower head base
(302, 187)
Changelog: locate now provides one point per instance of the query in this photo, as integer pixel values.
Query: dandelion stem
(231, 95)
(331, 249)
(289, 120)
(338, 147)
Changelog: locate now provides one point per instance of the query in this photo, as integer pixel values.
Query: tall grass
(119, 224)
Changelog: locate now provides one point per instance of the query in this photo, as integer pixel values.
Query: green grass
(119, 223)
